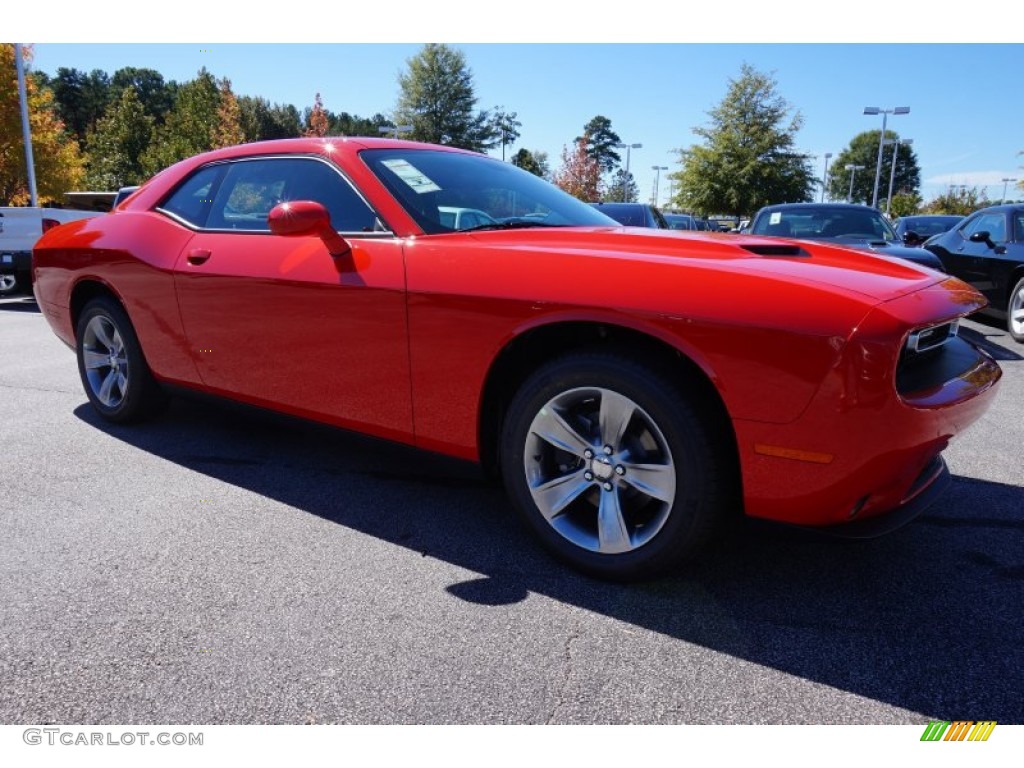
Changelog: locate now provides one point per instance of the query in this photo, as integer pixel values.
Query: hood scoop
(793, 251)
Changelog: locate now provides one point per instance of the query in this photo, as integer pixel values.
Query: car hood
(845, 270)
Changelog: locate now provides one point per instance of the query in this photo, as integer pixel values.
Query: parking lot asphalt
(220, 565)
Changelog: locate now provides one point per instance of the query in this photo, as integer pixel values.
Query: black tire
(667, 444)
(114, 371)
(1015, 312)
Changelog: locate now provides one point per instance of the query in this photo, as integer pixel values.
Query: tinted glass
(191, 201)
(251, 188)
(993, 223)
(823, 223)
(429, 183)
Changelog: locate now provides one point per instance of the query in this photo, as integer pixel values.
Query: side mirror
(307, 217)
(911, 237)
(986, 238)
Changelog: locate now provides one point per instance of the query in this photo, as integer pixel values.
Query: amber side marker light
(792, 453)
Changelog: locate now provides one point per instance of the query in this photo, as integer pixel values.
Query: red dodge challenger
(633, 387)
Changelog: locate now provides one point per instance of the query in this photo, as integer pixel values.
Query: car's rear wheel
(618, 471)
(114, 372)
(1015, 312)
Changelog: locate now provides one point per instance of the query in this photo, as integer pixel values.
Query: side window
(968, 227)
(251, 188)
(1018, 227)
(993, 223)
(191, 201)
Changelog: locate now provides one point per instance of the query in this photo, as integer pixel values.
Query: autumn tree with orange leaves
(58, 163)
(317, 119)
(580, 174)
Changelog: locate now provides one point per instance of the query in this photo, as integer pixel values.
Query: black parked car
(682, 221)
(987, 251)
(914, 230)
(852, 226)
(634, 214)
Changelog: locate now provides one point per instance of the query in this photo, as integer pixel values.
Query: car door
(277, 321)
(977, 263)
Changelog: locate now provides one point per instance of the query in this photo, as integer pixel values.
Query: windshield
(451, 191)
(813, 223)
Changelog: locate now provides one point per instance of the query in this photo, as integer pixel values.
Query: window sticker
(775, 217)
(411, 175)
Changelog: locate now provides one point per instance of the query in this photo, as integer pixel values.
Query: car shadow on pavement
(928, 618)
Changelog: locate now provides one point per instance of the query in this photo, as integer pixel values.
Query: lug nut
(620, 470)
(608, 450)
(588, 454)
(588, 475)
(607, 486)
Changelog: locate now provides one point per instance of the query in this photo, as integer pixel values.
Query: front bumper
(865, 454)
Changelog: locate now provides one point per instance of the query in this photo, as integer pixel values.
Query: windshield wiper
(516, 224)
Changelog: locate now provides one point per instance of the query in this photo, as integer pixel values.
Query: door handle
(198, 256)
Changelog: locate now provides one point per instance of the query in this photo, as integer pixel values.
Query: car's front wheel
(617, 470)
(114, 372)
(1015, 312)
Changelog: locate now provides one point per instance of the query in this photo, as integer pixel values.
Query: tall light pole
(657, 179)
(26, 132)
(892, 172)
(824, 176)
(1005, 182)
(397, 130)
(853, 170)
(881, 141)
(625, 178)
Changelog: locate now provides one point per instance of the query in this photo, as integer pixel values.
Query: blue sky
(965, 118)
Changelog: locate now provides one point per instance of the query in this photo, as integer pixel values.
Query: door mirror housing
(986, 238)
(301, 218)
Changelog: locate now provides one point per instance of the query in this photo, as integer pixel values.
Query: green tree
(344, 124)
(905, 204)
(622, 188)
(81, 99)
(190, 127)
(117, 144)
(58, 162)
(863, 150)
(260, 120)
(601, 141)
(437, 99)
(536, 162)
(748, 158)
(155, 95)
(959, 201)
(505, 126)
(580, 174)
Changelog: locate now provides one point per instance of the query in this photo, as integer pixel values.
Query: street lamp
(853, 170)
(397, 130)
(626, 147)
(824, 176)
(657, 179)
(881, 140)
(892, 172)
(1005, 182)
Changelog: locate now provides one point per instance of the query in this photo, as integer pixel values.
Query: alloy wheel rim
(7, 282)
(600, 470)
(106, 361)
(1017, 311)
